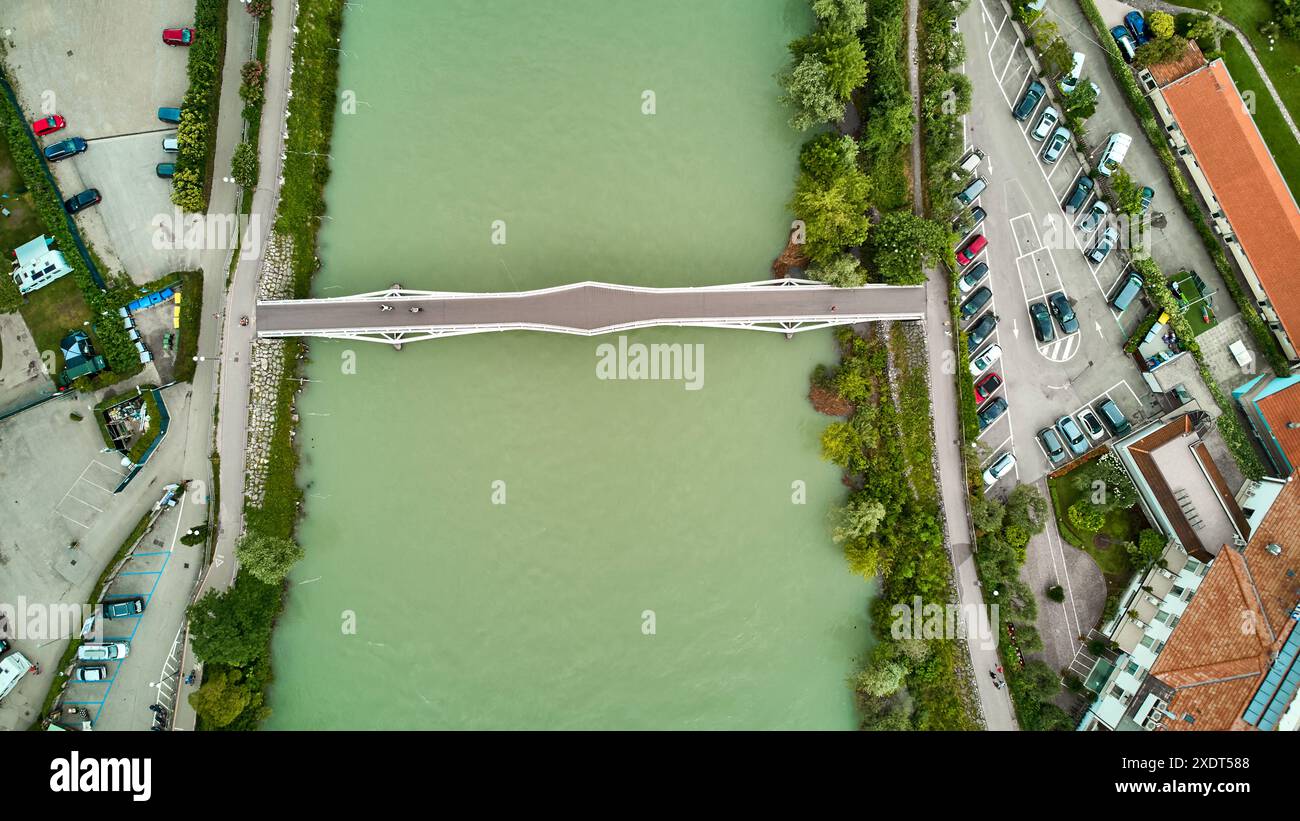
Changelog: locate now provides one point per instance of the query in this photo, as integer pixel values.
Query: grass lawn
(22, 224)
(1121, 526)
(1193, 312)
(53, 311)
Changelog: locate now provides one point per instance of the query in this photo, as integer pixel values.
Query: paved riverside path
(588, 309)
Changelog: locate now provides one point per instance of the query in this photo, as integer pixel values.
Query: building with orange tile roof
(1251, 207)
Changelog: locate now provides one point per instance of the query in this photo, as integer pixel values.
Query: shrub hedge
(197, 132)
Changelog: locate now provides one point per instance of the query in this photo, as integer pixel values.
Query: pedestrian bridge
(587, 309)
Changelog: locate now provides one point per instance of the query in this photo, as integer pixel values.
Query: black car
(1033, 96)
(81, 201)
(67, 148)
(990, 412)
(980, 331)
(976, 302)
(1079, 195)
(1063, 312)
(1042, 321)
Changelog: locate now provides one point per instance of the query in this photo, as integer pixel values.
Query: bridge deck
(589, 308)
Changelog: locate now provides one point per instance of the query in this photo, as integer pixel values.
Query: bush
(1086, 517)
(244, 166)
(199, 108)
(1056, 593)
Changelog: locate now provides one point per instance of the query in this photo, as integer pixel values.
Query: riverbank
(238, 669)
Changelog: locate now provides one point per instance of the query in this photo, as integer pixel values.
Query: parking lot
(102, 65)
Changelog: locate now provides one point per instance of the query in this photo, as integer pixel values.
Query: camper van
(12, 669)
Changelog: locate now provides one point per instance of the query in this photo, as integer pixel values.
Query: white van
(170, 145)
(12, 669)
(1114, 153)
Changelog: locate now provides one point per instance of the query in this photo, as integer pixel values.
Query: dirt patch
(791, 259)
(827, 401)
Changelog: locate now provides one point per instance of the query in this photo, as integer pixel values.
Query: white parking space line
(74, 521)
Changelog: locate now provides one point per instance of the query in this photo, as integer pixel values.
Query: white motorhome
(12, 669)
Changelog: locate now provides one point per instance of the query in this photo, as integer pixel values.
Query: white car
(103, 652)
(999, 468)
(1113, 154)
(1091, 425)
(1046, 122)
(92, 672)
(984, 361)
(1070, 81)
(12, 669)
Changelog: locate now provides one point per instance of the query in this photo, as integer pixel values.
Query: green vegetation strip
(200, 108)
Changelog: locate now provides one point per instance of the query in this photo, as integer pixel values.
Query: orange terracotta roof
(1191, 60)
(1278, 409)
(1245, 180)
(1238, 618)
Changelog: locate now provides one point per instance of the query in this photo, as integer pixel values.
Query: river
(496, 537)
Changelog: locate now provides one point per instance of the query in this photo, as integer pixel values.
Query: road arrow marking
(1015, 329)
(1098, 327)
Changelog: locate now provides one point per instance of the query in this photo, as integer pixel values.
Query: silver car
(1046, 122)
(1059, 140)
(1104, 246)
(115, 651)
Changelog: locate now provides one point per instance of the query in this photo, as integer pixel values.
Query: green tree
(1148, 550)
(1160, 51)
(1086, 517)
(987, 513)
(866, 557)
(859, 518)
(1128, 194)
(840, 446)
(267, 557)
(222, 697)
(881, 678)
(903, 243)
(1027, 509)
(842, 271)
(841, 15)
(832, 200)
(809, 91)
(234, 627)
(1161, 24)
(1081, 103)
(243, 165)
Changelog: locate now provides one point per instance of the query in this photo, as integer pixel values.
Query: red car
(48, 125)
(178, 37)
(986, 386)
(966, 254)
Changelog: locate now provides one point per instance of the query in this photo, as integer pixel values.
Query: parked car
(1137, 26)
(987, 386)
(1127, 46)
(179, 37)
(1129, 289)
(1116, 421)
(999, 468)
(1046, 122)
(169, 115)
(1056, 144)
(48, 125)
(1091, 425)
(1148, 194)
(62, 150)
(1052, 446)
(170, 144)
(968, 194)
(113, 651)
(984, 361)
(1064, 313)
(165, 169)
(82, 201)
(1041, 319)
(969, 220)
(1114, 153)
(980, 332)
(1073, 437)
(1070, 80)
(1032, 97)
(1090, 220)
(967, 253)
(92, 672)
(124, 608)
(991, 412)
(13, 668)
(1079, 194)
(1105, 244)
(976, 303)
(972, 277)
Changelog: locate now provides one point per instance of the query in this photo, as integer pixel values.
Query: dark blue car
(1137, 26)
(67, 148)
